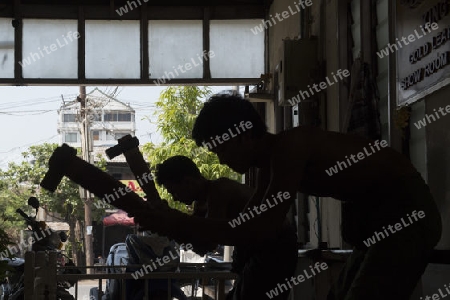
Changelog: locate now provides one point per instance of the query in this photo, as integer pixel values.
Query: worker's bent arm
(253, 228)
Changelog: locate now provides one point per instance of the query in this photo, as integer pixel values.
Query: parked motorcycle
(43, 239)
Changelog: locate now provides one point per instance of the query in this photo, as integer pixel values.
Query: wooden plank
(18, 33)
(366, 31)
(29, 275)
(343, 58)
(145, 68)
(149, 82)
(160, 2)
(206, 42)
(106, 12)
(81, 44)
(51, 275)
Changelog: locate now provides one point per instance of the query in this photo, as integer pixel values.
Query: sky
(28, 115)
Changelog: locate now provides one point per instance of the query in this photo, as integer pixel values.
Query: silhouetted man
(392, 246)
(258, 265)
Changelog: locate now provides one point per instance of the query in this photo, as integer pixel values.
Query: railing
(42, 275)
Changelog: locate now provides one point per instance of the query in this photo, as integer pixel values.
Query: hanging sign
(422, 48)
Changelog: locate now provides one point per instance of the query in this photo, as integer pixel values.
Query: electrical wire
(28, 103)
(29, 144)
(23, 113)
(17, 156)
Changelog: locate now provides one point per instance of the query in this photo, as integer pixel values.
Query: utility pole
(228, 250)
(85, 147)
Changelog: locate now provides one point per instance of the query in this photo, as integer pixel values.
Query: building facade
(109, 119)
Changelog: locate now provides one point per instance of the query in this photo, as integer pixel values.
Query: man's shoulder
(301, 136)
(229, 193)
(225, 187)
(224, 182)
(302, 130)
(296, 144)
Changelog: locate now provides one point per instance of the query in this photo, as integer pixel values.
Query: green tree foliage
(177, 109)
(21, 180)
(9, 202)
(4, 242)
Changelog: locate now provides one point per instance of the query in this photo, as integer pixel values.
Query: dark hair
(221, 113)
(176, 169)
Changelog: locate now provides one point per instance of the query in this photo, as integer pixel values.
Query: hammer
(64, 162)
(128, 146)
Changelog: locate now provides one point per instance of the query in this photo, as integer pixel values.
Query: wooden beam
(150, 3)
(81, 44)
(111, 8)
(145, 64)
(108, 12)
(148, 82)
(366, 31)
(226, 12)
(206, 42)
(18, 43)
(343, 58)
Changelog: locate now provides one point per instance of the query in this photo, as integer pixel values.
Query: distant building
(110, 119)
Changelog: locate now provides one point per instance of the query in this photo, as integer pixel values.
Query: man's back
(254, 263)
(338, 165)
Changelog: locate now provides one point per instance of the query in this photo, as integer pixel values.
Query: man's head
(181, 177)
(229, 126)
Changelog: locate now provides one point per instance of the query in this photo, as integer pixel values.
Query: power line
(32, 102)
(17, 156)
(23, 113)
(29, 144)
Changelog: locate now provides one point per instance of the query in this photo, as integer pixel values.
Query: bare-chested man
(258, 265)
(386, 193)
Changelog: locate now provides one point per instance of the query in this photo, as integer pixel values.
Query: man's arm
(199, 210)
(286, 172)
(283, 179)
(227, 198)
(262, 227)
(217, 207)
(263, 181)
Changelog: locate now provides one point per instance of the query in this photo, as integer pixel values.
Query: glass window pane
(6, 48)
(50, 49)
(176, 49)
(238, 52)
(96, 135)
(71, 137)
(124, 117)
(112, 49)
(112, 117)
(120, 135)
(70, 118)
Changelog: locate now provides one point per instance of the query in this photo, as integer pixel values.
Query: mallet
(64, 162)
(129, 147)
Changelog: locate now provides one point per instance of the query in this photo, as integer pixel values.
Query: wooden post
(51, 275)
(29, 275)
(41, 276)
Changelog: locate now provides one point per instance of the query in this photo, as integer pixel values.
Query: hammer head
(125, 143)
(57, 167)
